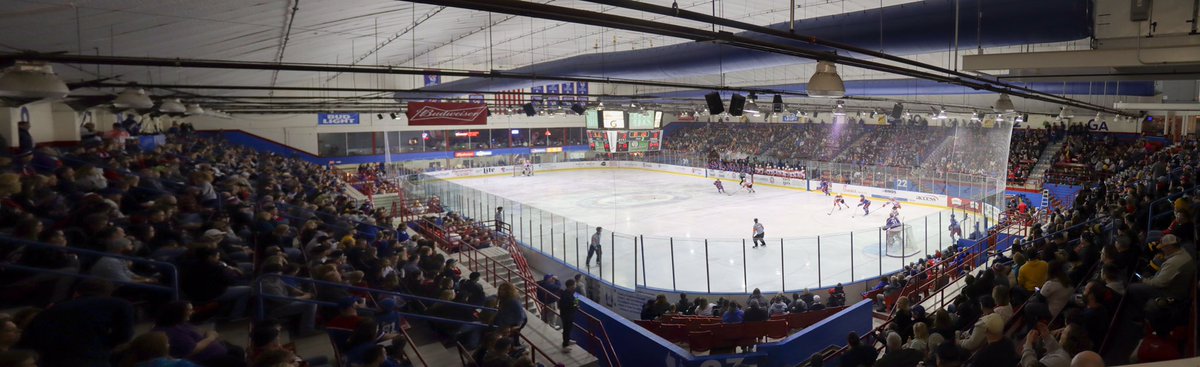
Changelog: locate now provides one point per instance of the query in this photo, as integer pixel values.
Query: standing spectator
(97, 323)
(510, 314)
(499, 218)
(25, 139)
(548, 290)
(567, 305)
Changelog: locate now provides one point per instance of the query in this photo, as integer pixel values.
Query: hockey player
(838, 203)
(749, 184)
(865, 204)
(893, 228)
(824, 187)
(527, 169)
(894, 203)
(742, 179)
(955, 229)
(720, 186)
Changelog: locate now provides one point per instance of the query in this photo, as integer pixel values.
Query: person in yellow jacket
(1034, 272)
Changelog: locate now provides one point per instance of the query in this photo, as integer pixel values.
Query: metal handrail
(542, 307)
(174, 271)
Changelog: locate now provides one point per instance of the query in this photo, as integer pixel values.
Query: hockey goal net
(522, 167)
(901, 241)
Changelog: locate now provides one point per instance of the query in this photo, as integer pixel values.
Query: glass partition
(734, 265)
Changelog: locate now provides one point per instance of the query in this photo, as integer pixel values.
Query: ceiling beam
(362, 69)
(566, 14)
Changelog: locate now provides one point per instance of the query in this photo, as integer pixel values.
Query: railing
(262, 312)
(566, 240)
(491, 270)
(171, 270)
(975, 255)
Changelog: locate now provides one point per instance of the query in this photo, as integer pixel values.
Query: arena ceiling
(376, 32)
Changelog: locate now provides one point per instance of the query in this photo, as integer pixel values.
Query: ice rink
(689, 237)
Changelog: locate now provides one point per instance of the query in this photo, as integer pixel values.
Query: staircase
(1045, 161)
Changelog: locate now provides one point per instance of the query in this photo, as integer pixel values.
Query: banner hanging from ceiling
(441, 114)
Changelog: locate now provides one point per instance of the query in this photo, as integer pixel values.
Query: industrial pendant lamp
(825, 82)
(172, 105)
(134, 98)
(194, 109)
(1004, 103)
(32, 81)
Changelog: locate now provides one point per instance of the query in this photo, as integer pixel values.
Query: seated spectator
(188, 342)
(301, 315)
(733, 314)
(1175, 277)
(205, 278)
(978, 337)
(920, 340)
(998, 351)
(816, 304)
(895, 355)
(858, 354)
(18, 358)
(779, 307)
(97, 323)
(510, 316)
(151, 350)
(755, 313)
(10, 333)
(1041, 349)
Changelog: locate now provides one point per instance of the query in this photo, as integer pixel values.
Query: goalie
(526, 168)
(894, 229)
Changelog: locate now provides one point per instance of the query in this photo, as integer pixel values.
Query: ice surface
(668, 218)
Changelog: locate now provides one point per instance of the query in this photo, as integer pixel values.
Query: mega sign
(337, 119)
(438, 113)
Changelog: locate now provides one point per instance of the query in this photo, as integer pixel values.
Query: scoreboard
(624, 141)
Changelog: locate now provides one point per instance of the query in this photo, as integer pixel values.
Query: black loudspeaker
(736, 104)
(897, 111)
(715, 107)
(577, 108)
(777, 103)
(529, 110)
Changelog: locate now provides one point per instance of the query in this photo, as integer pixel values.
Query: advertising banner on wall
(337, 119)
(441, 114)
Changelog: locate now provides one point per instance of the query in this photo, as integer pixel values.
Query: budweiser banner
(437, 113)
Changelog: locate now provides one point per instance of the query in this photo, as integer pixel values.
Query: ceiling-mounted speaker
(777, 103)
(737, 103)
(577, 108)
(715, 106)
(529, 110)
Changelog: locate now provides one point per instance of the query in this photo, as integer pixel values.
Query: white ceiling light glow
(194, 109)
(825, 82)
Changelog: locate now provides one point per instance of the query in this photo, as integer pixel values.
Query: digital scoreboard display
(613, 119)
(598, 141)
(625, 141)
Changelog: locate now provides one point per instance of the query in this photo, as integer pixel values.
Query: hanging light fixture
(825, 82)
(172, 105)
(33, 81)
(974, 116)
(941, 115)
(194, 109)
(1020, 118)
(134, 98)
(839, 109)
(1004, 103)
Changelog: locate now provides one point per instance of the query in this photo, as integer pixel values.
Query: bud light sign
(337, 119)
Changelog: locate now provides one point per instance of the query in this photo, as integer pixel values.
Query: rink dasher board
(850, 191)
